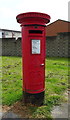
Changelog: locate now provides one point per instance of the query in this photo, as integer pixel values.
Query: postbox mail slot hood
(33, 18)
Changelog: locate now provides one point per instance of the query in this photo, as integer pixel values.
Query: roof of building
(58, 26)
(57, 21)
(10, 30)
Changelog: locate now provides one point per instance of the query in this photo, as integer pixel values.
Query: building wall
(9, 34)
(55, 46)
(0, 46)
(56, 27)
(0, 34)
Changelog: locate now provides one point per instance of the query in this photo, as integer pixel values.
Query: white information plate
(35, 46)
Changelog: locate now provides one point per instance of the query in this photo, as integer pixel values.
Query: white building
(4, 33)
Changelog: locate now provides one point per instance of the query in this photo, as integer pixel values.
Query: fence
(11, 47)
(56, 46)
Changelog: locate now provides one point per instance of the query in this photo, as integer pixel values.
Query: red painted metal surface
(33, 50)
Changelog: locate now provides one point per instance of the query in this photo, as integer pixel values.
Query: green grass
(11, 79)
(56, 83)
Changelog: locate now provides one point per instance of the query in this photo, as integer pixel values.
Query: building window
(6, 33)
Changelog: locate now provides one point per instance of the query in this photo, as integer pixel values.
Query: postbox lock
(42, 64)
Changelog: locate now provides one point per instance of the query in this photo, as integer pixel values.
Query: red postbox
(33, 54)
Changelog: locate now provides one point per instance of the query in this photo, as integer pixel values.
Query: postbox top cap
(33, 15)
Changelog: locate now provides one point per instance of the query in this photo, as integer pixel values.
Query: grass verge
(56, 83)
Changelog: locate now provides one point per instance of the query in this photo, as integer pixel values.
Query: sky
(9, 9)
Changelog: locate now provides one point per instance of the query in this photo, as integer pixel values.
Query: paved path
(9, 114)
(60, 111)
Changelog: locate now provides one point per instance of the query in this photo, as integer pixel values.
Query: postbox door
(37, 64)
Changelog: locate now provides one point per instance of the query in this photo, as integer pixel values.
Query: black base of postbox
(35, 99)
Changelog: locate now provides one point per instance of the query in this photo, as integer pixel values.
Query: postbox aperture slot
(35, 31)
(36, 45)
